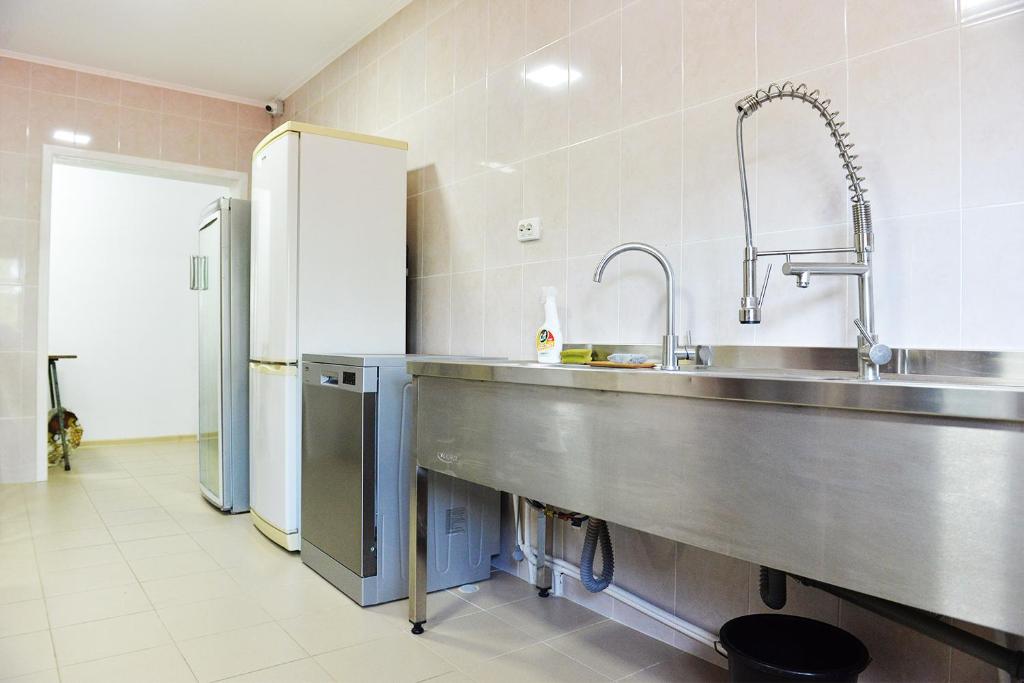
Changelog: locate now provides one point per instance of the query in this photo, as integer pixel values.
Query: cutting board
(610, 364)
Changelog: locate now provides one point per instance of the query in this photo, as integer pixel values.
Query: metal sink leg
(545, 549)
(418, 551)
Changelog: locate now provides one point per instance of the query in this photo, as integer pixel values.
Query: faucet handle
(764, 285)
(878, 353)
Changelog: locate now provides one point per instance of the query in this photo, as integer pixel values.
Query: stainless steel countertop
(983, 398)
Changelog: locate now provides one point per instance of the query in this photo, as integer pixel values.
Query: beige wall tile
(439, 144)
(14, 199)
(141, 96)
(98, 88)
(904, 109)
(592, 308)
(992, 237)
(652, 167)
(255, 118)
(217, 145)
(503, 307)
(434, 303)
(917, 266)
(588, 11)
(366, 111)
(219, 111)
(436, 219)
(594, 195)
(546, 196)
(506, 34)
(244, 146)
(993, 98)
(595, 97)
(546, 22)
(470, 42)
(505, 114)
(875, 24)
(389, 92)
(53, 79)
(99, 122)
(467, 313)
(798, 35)
(718, 49)
(504, 209)
(546, 108)
(800, 177)
(49, 113)
(414, 73)
(440, 57)
(413, 17)
(368, 49)
(470, 115)
(652, 59)
(711, 589)
(709, 171)
(181, 103)
(138, 132)
(15, 72)
(179, 139)
(469, 211)
(642, 302)
(14, 109)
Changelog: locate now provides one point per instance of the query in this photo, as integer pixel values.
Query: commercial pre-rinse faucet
(870, 353)
(671, 351)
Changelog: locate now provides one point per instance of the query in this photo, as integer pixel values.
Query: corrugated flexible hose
(597, 531)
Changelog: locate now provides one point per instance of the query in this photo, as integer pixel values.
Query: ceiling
(249, 49)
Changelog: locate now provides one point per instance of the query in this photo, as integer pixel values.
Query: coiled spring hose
(597, 530)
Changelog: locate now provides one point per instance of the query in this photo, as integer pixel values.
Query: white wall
(119, 298)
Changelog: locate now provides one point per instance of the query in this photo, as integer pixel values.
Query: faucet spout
(671, 350)
(670, 343)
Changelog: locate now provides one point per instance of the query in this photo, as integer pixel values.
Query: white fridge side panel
(274, 262)
(273, 444)
(352, 239)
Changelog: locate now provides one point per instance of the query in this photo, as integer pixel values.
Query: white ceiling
(251, 49)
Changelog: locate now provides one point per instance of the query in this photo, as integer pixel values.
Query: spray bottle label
(545, 340)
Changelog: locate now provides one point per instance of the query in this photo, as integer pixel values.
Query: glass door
(208, 278)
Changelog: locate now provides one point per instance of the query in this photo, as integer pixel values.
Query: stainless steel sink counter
(906, 487)
(988, 398)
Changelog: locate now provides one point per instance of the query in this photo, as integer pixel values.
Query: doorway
(115, 246)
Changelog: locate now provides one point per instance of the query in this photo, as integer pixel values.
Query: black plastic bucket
(781, 647)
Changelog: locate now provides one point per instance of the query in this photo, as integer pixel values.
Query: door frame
(237, 181)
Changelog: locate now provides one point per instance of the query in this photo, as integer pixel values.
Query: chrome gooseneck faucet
(870, 353)
(671, 352)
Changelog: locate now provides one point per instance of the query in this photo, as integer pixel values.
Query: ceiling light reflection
(552, 75)
(72, 137)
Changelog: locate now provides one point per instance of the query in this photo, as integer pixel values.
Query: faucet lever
(877, 353)
(764, 285)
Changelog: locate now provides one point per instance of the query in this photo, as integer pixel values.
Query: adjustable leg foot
(417, 628)
(544, 592)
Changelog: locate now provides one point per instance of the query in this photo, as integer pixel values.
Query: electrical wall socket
(528, 229)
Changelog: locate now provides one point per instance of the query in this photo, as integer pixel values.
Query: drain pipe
(1011, 661)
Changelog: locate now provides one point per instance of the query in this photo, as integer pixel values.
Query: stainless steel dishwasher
(356, 462)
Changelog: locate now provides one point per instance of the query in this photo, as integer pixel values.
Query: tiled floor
(119, 571)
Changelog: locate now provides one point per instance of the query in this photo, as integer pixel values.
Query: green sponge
(577, 356)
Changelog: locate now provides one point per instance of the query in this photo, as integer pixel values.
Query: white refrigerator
(328, 274)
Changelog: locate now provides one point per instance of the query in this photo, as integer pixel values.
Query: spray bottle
(549, 336)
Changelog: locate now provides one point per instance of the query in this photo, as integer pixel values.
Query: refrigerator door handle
(192, 284)
(203, 274)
